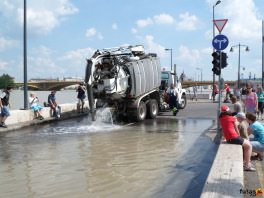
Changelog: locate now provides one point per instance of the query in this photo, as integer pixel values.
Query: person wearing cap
(33, 103)
(231, 134)
(242, 125)
(257, 129)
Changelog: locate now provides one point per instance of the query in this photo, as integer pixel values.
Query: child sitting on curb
(33, 101)
(231, 134)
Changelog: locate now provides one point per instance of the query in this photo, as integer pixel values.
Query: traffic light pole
(219, 96)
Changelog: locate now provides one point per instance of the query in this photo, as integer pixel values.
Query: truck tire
(141, 111)
(152, 109)
(183, 102)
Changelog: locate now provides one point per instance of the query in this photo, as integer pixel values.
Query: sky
(62, 34)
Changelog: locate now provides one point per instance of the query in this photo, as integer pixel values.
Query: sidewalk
(25, 118)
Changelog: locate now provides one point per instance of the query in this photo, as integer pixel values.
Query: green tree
(6, 80)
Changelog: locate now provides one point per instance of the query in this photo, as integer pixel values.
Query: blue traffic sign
(220, 42)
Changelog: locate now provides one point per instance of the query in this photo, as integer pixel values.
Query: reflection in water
(95, 160)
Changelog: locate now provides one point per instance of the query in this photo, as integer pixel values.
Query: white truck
(127, 80)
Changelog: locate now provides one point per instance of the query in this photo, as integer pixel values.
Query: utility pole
(217, 2)
(25, 57)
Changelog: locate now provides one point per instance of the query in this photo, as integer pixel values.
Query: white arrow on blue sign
(220, 42)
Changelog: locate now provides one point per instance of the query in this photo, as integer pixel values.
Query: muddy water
(79, 159)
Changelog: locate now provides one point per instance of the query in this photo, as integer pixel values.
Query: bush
(6, 80)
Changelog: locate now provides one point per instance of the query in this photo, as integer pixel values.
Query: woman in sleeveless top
(251, 101)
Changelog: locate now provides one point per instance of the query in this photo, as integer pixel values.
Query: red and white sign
(220, 24)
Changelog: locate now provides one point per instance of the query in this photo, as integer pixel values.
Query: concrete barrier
(226, 177)
(21, 118)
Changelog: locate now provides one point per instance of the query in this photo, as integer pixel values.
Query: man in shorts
(4, 104)
(80, 96)
(53, 104)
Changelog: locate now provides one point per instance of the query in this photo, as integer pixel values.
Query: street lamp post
(25, 57)
(201, 70)
(217, 2)
(170, 49)
(238, 70)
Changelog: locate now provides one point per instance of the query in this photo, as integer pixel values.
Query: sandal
(249, 168)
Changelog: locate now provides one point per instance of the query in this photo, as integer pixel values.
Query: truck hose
(89, 88)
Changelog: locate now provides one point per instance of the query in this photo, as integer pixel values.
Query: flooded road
(74, 158)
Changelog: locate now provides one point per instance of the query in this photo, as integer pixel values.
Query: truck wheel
(152, 109)
(141, 111)
(183, 102)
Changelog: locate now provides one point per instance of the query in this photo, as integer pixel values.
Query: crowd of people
(242, 125)
(36, 107)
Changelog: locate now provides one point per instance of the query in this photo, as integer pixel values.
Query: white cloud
(244, 20)
(189, 58)
(206, 51)
(92, 32)
(163, 19)
(114, 26)
(79, 56)
(144, 22)
(42, 22)
(42, 15)
(6, 44)
(42, 61)
(157, 19)
(187, 22)
(65, 7)
(153, 47)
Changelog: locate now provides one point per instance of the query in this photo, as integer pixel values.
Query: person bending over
(53, 104)
(257, 129)
(173, 99)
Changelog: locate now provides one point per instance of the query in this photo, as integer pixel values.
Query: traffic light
(224, 60)
(216, 63)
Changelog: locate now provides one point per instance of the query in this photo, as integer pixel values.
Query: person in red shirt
(231, 134)
(228, 92)
(215, 91)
